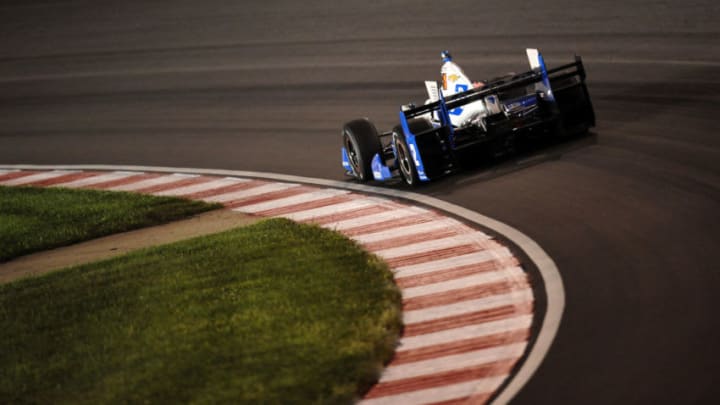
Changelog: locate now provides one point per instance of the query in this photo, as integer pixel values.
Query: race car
(464, 120)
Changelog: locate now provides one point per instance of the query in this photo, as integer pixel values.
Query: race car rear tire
(361, 141)
(406, 164)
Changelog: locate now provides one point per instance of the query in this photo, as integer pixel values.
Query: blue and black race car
(464, 118)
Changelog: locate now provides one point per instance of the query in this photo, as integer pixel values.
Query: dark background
(629, 213)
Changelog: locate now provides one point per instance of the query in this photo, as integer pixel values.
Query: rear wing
(563, 87)
(554, 79)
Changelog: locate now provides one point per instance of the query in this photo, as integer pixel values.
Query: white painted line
(507, 274)
(197, 188)
(36, 177)
(100, 178)
(6, 171)
(413, 229)
(250, 192)
(377, 218)
(330, 210)
(452, 362)
(452, 262)
(431, 245)
(157, 181)
(438, 394)
(292, 200)
(465, 307)
(466, 332)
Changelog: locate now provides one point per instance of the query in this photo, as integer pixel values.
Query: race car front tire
(406, 164)
(361, 141)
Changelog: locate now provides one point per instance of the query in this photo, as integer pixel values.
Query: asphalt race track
(630, 213)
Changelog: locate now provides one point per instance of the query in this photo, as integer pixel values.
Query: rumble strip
(468, 306)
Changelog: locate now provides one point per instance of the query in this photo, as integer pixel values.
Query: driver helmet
(445, 55)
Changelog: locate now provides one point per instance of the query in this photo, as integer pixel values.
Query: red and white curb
(467, 303)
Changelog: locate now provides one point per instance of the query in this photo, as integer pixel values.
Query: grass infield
(275, 312)
(34, 219)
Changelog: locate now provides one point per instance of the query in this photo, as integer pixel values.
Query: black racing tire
(407, 168)
(361, 141)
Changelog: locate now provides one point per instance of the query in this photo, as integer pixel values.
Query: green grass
(271, 313)
(34, 219)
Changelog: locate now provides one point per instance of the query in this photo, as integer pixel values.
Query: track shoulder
(469, 306)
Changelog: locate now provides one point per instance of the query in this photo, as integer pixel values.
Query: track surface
(630, 214)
